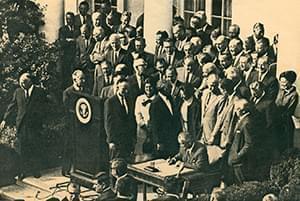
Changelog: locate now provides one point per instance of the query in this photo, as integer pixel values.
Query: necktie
(207, 100)
(115, 57)
(124, 104)
(26, 95)
(169, 59)
(107, 80)
(187, 79)
(84, 20)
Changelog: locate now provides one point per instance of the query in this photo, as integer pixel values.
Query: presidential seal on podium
(83, 110)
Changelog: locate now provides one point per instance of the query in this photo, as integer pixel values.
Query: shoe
(37, 175)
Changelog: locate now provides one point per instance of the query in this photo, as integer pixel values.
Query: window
(222, 14)
(113, 4)
(190, 7)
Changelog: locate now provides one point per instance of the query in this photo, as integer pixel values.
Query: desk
(194, 181)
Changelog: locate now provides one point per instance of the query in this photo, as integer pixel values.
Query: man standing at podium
(119, 123)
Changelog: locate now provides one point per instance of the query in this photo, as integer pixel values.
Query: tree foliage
(23, 47)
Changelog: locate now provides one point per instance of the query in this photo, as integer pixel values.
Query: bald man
(236, 50)
(265, 76)
(234, 31)
(30, 102)
(212, 104)
(221, 44)
(117, 55)
(188, 73)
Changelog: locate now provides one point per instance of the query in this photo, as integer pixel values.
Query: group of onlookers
(219, 90)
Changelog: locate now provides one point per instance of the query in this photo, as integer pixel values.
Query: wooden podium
(89, 138)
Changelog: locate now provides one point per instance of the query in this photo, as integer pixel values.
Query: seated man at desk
(192, 154)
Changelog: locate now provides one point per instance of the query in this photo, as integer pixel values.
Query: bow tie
(146, 102)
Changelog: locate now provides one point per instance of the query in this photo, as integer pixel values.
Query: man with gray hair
(117, 55)
(234, 31)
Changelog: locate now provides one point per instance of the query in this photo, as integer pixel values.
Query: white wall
(278, 16)
(158, 16)
(136, 7)
(54, 16)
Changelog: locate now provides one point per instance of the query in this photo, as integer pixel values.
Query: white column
(54, 18)
(71, 6)
(157, 16)
(208, 10)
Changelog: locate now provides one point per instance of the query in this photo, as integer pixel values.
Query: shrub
(248, 191)
(287, 169)
(21, 16)
(23, 47)
(8, 136)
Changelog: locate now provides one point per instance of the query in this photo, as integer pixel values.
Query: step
(16, 192)
(28, 188)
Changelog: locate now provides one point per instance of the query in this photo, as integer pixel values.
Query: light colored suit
(212, 106)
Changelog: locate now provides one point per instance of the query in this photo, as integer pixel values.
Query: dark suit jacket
(242, 91)
(271, 85)
(83, 52)
(120, 127)
(265, 120)
(164, 125)
(176, 97)
(149, 58)
(134, 90)
(78, 23)
(99, 84)
(108, 195)
(194, 118)
(65, 33)
(107, 92)
(251, 78)
(242, 144)
(195, 80)
(126, 186)
(123, 58)
(266, 108)
(30, 114)
(177, 61)
(197, 159)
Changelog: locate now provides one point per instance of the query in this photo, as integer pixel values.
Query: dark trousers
(29, 146)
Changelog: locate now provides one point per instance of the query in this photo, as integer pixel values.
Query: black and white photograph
(149, 100)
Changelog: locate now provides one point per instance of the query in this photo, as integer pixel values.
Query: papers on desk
(165, 170)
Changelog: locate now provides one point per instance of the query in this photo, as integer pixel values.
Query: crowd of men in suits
(220, 90)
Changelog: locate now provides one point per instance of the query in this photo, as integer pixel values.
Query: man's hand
(181, 167)
(171, 161)
(159, 147)
(178, 163)
(112, 146)
(2, 125)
